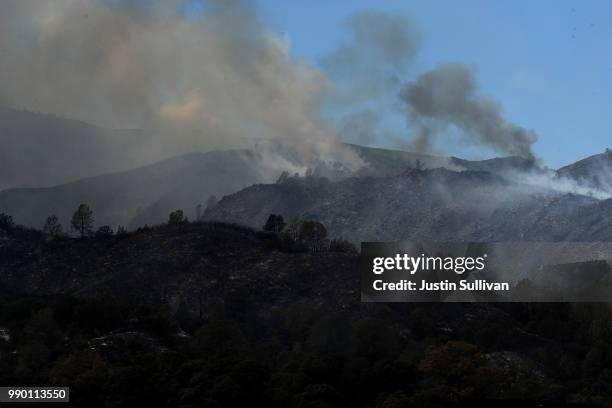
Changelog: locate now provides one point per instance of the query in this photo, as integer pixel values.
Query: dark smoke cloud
(448, 96)
(144, 64)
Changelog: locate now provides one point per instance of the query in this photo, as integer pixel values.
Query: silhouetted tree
(82, 220)
(283, 177)
(6, 221)
(121, 230)
(211, 202)
(176, 217)
(313, 234)
(292, 230)
(104, 231)
(275, 223)
(342, 245)
(52, 226)
(198, 212)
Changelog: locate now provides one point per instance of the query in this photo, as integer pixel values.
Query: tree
(302, 235)
(52, 226)
(104, 231)
(82, 220)
(313, 234)
(275, 223)
(284, 176)
(121, 230)
(176, 217)
(6, 221)
(198, 212)
(342, 245)
(292, 230)
(211, 202)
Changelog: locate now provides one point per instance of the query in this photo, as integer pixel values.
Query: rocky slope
(595, 171)
(147, 194)
(439, 205)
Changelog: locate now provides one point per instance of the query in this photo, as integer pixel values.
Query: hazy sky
(547, 62)
(473, 78)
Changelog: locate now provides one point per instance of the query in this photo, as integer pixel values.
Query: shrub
(6, 221)
(104, 231)
(176, 218)
(342, 245)
(275, 223)
(52, 226)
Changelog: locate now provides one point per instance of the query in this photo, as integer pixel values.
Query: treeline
(297, 235)
(81, 223)
(304, 235)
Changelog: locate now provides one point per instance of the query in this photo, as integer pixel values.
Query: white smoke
(136, 64)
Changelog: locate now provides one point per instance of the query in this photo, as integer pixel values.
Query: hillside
(595, 171)
(146, 195)
(439, 205)
(222, 308)
(178, 264)
(41, 150)
(141, 196)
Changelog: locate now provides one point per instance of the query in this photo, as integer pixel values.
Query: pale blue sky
(547, 62)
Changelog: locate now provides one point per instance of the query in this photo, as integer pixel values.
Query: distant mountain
(147, 194)
(141, 196)
(388, 162)
(498, 165)
(595, 171)
(39, 150)
(438, 204)
(42, 150)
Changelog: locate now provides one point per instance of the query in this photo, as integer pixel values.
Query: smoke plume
(136, 64)
(368, 68)
(448, 96)
(376, 56)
